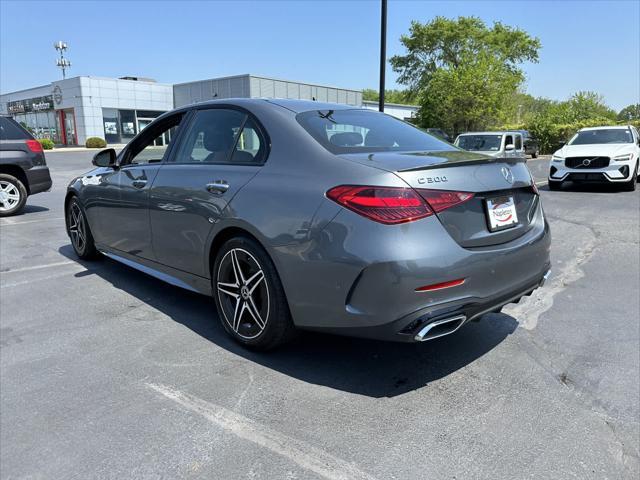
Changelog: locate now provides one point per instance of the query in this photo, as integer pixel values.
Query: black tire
(79, 232)
(554, 185)
(630, 186)
(13, 195)
(534, 154)
(242, 301)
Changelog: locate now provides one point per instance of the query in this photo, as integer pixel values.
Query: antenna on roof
(62, 62)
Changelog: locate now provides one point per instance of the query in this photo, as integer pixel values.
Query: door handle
(218, 187)
(139, 183)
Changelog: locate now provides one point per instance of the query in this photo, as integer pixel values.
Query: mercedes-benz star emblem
(507, 174)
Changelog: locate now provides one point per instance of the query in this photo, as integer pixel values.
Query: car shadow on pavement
(365, 367)
(588, 187)
(33, 209)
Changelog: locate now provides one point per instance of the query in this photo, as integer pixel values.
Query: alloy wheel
(77, 230)
(243, 293)
(9, 196)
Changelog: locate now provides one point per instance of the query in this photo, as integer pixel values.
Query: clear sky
(587, 45)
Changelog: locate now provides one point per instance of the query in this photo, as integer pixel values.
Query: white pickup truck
(495, 144)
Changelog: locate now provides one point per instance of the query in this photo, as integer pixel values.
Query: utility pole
(383, 52)
(62, 62)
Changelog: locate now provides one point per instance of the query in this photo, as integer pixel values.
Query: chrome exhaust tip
(440, 328)
(545, 277)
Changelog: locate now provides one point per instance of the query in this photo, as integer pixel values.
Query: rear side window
(10, 130)
(221, 136)
(354, 131)
(250, 147)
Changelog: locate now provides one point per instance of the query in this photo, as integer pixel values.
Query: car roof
(499, 132)
(299, 106)
(612, 127)
(295, 106)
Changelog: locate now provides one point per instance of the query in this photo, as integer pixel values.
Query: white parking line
(38, 267)
(34, 280)
(8, 221)
(306, 456)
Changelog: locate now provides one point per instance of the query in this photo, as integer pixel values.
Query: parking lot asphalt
(108, 373)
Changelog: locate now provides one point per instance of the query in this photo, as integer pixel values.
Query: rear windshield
(609, 135)
(480, 143)
(354, 131)
(10, 130)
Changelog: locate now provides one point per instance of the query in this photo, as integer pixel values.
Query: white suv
(599, 154)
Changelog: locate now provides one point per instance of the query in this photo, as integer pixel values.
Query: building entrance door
(68, 121)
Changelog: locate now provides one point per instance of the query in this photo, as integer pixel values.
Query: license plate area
(501, 213)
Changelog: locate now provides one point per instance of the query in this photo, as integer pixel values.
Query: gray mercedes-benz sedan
(299, 214)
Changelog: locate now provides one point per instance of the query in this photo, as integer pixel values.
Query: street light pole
(383, 53)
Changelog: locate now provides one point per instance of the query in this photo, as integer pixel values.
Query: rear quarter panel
(284, 206)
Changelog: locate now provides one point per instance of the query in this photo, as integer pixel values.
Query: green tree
(586, 106)
(632, 112)
(463, 73)
(403, 97)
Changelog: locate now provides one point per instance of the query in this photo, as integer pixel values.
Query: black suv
(23, 169)
(531, 146)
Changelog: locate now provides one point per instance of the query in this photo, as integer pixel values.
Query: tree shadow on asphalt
(365, 367)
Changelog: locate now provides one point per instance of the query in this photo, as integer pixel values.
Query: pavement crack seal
(529, 310)
(306, 456)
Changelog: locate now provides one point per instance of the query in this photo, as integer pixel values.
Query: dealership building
(71, 110)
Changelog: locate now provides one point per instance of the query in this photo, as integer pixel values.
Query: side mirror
(105, 158)
(510, 148)
(561, 144)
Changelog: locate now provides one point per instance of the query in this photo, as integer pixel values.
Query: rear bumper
(361, 279)
(39, 179)
(407, 329)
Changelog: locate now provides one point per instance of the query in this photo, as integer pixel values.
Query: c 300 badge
(440, 179)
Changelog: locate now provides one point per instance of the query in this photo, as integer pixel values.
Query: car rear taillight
(34, 146)
(393, 205)
(388, 205)
(440, 200)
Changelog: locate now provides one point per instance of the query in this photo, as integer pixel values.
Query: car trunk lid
(487, 178)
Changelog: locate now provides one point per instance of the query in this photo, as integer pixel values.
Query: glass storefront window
(127, 125)
(120, 126)
(40, 124)
(110, 122)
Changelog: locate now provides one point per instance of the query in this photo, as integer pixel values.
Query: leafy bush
(46, 143)
(95, 142)
(551, 134)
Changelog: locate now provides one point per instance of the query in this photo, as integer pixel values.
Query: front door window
(160, 140)
(151, 145)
